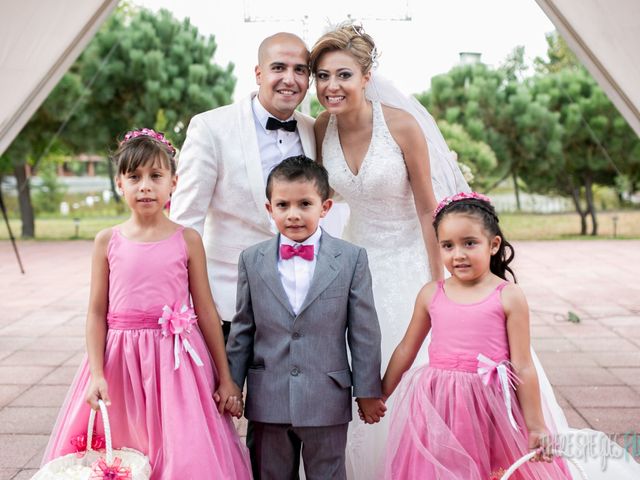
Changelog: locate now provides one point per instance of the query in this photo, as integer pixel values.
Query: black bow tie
(275, 124)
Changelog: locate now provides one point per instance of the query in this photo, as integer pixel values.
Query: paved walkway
(594, 365)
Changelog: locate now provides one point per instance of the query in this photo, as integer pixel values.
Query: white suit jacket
(221, 190)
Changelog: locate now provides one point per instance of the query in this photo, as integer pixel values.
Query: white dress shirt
(296, 273)
(275, 145)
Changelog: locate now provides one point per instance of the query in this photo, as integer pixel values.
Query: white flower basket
(132, 464)
(524, 459)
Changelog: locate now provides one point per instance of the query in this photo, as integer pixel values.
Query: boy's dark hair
(484, 211)
(300, 168)
(140, 151)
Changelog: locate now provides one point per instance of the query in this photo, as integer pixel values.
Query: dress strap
(501, 286)
(438, 293)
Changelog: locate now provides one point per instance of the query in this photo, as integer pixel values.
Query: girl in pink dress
(476, 407)
(158, 362)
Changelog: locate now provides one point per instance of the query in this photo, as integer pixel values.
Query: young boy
(302, 297)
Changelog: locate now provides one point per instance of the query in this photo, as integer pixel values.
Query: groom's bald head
(280, 38)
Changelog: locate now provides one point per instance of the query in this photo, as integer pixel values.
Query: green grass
(64, 228)
(566, 226)
(516, 226)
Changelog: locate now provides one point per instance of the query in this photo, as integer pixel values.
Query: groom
(227, 156)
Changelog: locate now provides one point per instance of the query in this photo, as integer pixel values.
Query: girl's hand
(228, 397)
(371, 410)
(540, 440)
(98, 390)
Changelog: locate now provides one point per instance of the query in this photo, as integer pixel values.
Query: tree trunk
(516, 190)
(575, 195)
(591, 208)
(112, 181)
(24, 200)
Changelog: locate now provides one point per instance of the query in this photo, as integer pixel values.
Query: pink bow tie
(302, 251)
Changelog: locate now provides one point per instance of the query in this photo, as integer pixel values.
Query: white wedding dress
(383, 220)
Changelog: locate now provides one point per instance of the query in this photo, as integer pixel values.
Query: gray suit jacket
(297, 366)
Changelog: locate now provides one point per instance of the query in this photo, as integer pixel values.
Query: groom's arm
(363, 334)
(197, 176)
(241, 337)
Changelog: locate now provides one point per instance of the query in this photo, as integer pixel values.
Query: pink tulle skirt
(446, 424)
(167, 414)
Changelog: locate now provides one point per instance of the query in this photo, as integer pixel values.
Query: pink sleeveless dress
(451, 420)
(168, 413)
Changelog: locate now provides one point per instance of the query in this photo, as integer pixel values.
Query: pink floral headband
(148, 132)
(457, 197)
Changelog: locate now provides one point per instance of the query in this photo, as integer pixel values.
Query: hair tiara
(460, 196)
(358, 29)
(148, 132)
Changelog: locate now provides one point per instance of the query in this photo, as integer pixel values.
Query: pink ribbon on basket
(177, 321)
(80, 443)
(487, 369)
(115, 471)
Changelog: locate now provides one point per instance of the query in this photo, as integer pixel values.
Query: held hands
(98, 389)
(540, 441)
(228, 397)
(371, 410)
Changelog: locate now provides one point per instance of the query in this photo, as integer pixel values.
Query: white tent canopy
(605, 35)
(39, 41)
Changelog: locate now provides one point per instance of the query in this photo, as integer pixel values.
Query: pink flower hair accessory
(148, 132)
(457, 197)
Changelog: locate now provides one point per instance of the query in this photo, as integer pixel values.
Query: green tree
(494, 106)
(150, 70)
(598, 146)
(37, 139)
(559, 56)
(596, 138)
(142, 69)
(473, 155)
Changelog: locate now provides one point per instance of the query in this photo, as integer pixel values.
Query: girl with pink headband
(155, 352)
(476, 408)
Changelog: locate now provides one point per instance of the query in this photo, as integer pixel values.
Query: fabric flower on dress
(457, 197)
(115, 471)
(177, 321)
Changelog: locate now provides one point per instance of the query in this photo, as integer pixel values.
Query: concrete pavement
(594, 365)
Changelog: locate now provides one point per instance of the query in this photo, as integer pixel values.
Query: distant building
(470, 58)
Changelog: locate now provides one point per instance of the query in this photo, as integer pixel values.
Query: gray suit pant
(275, 451)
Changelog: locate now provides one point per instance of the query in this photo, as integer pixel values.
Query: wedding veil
(446, 177)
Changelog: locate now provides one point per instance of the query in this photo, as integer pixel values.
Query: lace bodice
(379, 196)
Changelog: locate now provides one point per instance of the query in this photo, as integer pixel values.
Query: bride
(389, 162)
(378, 162)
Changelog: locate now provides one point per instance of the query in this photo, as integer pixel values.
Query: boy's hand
(371, 410)
(228, 397)
(97, 390)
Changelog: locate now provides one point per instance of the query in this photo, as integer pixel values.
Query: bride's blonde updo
(350, 38)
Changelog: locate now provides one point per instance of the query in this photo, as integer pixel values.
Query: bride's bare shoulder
(401, 124)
